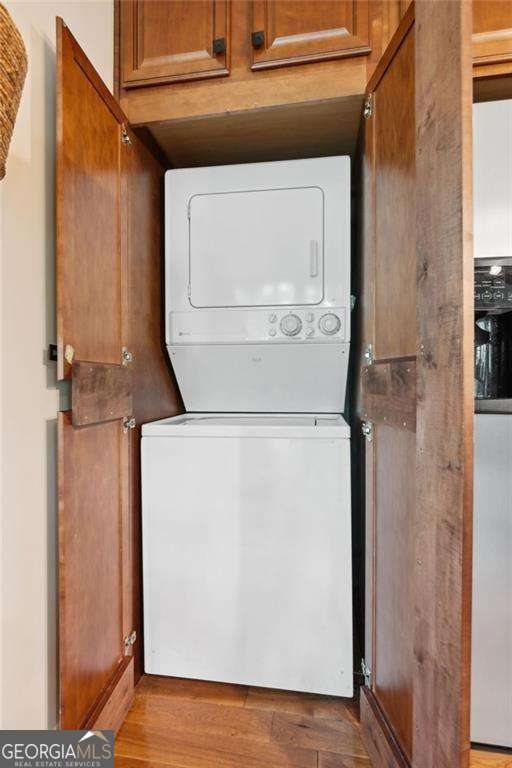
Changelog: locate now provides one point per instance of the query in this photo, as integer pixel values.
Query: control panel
(493, 286)
(238, 326)
(305, 324)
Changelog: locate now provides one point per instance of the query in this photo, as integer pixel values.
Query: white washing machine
(246, 498)
(247, 550)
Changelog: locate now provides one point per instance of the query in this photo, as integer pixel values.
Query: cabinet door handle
(219, 45)
(258, 39)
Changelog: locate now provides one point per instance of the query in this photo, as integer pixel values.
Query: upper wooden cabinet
(163, 42)
(292, 31)
(492, 31)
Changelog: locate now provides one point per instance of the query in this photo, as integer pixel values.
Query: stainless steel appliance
(491, 684)
(493, 335)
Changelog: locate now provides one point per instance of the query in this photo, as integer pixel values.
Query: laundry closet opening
(247, 501)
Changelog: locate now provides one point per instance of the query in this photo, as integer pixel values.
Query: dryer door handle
(313, 258)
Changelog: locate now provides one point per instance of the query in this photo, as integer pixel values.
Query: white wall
(29, 397)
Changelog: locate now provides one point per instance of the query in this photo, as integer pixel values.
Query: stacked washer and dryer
(247, 496)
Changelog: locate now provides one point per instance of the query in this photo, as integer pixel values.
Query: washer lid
(247, 425)
(257, 248)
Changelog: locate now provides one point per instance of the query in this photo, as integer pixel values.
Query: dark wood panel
(155, 393)
(442, 563)
(389, 393)
(92, 515)
(164, 41)
(395, 497)
(296, 32)
(89, 270)
(315, 129)
(100, 392)
(379, 739)
(394, 190)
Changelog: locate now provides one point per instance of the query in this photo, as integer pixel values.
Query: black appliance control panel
(493, 284)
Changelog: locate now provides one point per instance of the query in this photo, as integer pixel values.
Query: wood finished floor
(177, 723)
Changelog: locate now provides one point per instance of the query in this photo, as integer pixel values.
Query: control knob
(291, 325)
(329, 324)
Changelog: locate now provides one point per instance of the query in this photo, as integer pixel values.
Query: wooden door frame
(444, 451)
(445, 404)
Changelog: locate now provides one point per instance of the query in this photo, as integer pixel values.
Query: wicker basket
(13, 68)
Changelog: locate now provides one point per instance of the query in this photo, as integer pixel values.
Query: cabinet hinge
(129, 423)
(367, 430)
(129, 642)
(368, 355)
(368, 106)
(367, 673)
(126, 356)
(124, 137)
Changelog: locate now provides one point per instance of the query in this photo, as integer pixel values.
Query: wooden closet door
(389, 383)
(95, 613)
(110, 335)
(164, 41)
(293, 31)
(416, 383)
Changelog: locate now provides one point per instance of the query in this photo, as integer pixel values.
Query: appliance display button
(272, 332)
(272, 318)
(291, 325)
(329, 324)
(310, 332)
(310, 317)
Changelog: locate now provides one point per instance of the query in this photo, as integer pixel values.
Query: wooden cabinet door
(389, 385)
(94, 552)
(109, 276)
(417, 391)
(164, 42)
(492, 31)
(292, 31)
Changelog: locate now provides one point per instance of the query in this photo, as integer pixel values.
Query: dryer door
(257, 248)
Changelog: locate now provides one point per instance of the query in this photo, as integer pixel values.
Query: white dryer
(258, 285)
(246, 498)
